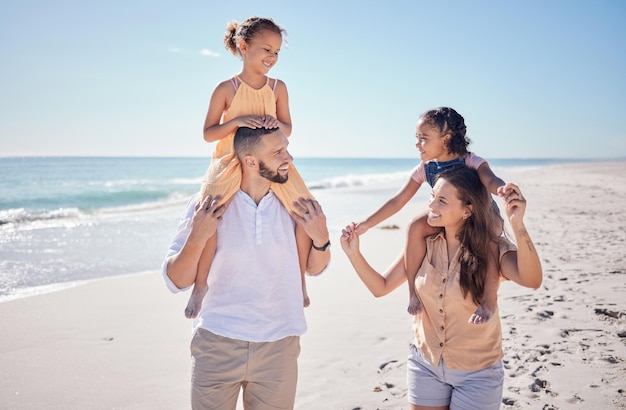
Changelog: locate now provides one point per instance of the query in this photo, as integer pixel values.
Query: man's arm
(199, 223)
(313, 222)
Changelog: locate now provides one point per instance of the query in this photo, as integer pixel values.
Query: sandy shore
(122, 343)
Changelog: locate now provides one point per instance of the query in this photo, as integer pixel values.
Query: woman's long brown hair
(478, 232)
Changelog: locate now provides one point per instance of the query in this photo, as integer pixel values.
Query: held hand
(312, 220)
(361, 228)
(350, 240)
(514, 201)
(206, 217)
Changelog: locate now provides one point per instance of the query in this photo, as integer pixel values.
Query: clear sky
(533, 79)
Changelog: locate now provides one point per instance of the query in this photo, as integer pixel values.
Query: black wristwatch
(323, 247)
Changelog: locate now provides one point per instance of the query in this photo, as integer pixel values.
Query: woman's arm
(523, 267)
(378, 284)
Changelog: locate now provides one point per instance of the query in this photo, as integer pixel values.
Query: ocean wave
(174, 199)
(143, 182)
(20, 216)
(353, 180)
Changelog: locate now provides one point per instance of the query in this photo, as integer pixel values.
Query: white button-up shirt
(255, 287)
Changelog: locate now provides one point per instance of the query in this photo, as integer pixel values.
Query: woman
(452, 363)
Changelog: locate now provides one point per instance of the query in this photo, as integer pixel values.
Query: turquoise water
(64, 220)
(45, 188)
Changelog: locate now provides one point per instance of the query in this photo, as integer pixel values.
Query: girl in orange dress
(249, 99)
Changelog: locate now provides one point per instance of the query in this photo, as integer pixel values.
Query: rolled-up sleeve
(182, 233)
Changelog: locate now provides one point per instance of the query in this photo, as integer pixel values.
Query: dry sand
(122, 343)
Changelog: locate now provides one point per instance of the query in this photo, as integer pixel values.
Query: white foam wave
(352, 180)
(21, 215)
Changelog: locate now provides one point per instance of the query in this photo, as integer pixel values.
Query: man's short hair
(246, 139)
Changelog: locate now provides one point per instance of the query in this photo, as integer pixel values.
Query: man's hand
(206, 218)
(312, 220)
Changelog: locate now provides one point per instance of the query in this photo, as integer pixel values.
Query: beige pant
(220, 367)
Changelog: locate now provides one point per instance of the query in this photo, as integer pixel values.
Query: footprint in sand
(518, 372)
(610, 313)
(389, 366)
(546, 314)
(539, 370)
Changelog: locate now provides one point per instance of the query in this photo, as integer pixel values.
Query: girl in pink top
(442, 144)
(249, 99)
(453, 364)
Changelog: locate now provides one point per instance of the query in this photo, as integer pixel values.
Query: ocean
(67, 220)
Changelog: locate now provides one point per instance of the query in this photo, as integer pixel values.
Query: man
(247, 334)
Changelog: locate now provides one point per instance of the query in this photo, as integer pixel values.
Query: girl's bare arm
(490, 180)
(390, 207)
(282, 108)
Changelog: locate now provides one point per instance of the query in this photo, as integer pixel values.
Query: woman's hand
(514, 201)
(523, 266)
(350, 240)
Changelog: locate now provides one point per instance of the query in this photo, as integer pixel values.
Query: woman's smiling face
(445, 207)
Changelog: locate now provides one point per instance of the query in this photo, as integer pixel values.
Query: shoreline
(80, 242)
(564, 344)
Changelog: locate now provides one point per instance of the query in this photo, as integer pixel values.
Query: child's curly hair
(447, 120)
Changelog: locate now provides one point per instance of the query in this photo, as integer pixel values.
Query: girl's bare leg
(414, 253)
(303, 244)
(486, 310)
(305, 294)
(200, 286)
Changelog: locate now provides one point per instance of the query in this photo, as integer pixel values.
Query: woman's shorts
(440, 386)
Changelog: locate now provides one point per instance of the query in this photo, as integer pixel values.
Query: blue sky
(533, 79)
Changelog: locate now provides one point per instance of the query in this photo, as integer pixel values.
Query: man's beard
(267, 173)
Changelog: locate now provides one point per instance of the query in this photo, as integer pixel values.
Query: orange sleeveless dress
(223, 177)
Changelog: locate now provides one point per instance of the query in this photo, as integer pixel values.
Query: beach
(123, 342)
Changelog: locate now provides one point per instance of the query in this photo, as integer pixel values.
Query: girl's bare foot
(195, 301)
(483, 314)
(415, 305)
